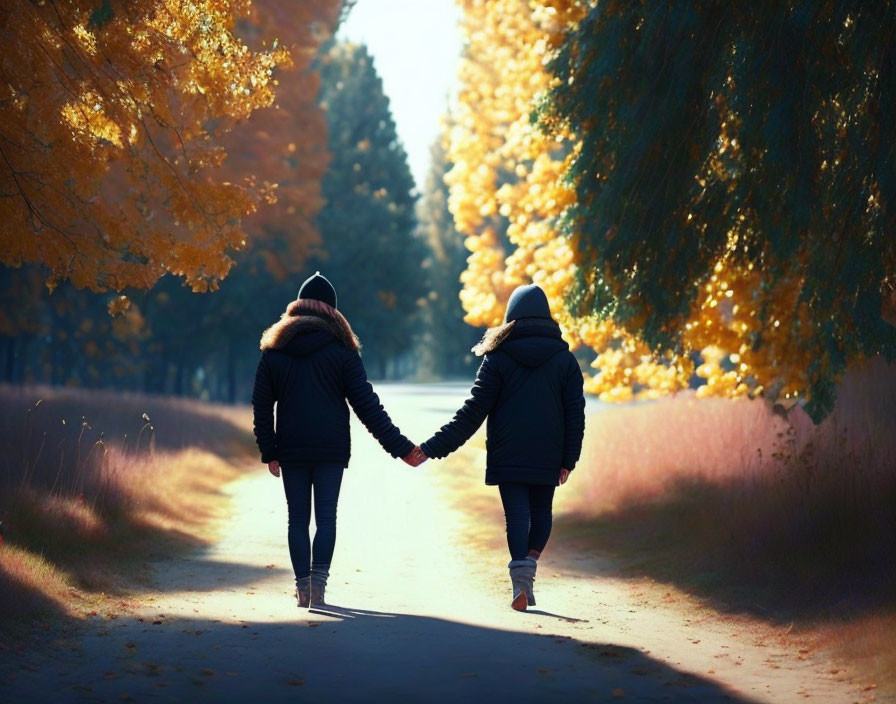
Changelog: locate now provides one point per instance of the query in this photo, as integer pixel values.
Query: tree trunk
(231, 373)
(154, 376)
(179, 376)
(9, 367)
(55, 364)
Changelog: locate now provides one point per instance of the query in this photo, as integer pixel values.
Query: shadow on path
(784, 569)
(345, 654)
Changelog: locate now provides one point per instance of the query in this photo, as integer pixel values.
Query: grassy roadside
(747, 510)
(95, 484)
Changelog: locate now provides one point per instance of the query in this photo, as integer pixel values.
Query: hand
(274, 468)
(415, 457)
(564, 475)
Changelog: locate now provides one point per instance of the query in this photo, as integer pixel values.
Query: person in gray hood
(530, 388)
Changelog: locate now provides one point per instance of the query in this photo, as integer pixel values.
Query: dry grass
(93, 483)
(798, 518)
(754, 511)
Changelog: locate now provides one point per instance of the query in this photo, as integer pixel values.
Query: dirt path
(419, 616)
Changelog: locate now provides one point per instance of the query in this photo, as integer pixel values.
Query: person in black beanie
(310, 366)
(530, 387)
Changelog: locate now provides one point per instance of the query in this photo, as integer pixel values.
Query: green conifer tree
(763, 132)
(370, 251)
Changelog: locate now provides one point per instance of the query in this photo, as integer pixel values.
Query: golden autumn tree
(277, 154)
(508, 194)
(110, 120)
(742, 200)
(505, 189)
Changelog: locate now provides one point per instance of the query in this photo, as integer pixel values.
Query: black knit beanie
(318, 288)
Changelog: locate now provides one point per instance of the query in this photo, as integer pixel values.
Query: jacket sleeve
(370, 411)
(467, 420)
(574, 415)
(263, 398)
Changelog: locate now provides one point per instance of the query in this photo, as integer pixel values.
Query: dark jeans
(527, 510)
(300, 483)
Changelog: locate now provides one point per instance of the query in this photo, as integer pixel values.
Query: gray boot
(319, 575)
(303, 592)
(530, 595)
(522, 576)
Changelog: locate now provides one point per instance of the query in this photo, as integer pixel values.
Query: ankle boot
(303, 592)
(521, 575)
(530, 581)
(318, 578)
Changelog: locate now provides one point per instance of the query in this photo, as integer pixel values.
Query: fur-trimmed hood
(530, 341)
(303, 317)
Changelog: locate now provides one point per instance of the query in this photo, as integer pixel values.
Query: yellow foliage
(110, 126)
(506, 172)
(507, 196)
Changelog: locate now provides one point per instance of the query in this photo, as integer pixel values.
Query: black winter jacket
(530, 387)
(310, 376)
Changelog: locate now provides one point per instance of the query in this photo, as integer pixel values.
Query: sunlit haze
(415, 45)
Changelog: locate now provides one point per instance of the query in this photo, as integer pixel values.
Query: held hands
(415, 457)
(274, 468)
(564, 475)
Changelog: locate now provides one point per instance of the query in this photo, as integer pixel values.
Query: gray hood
(527, 302)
